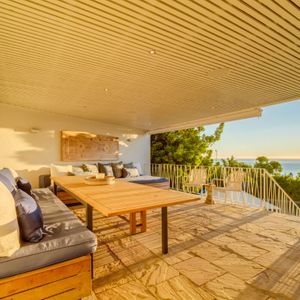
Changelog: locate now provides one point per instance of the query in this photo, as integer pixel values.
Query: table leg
(89, 217)
(55, 189)
(164, 229)
(132, 223)
(143, 217)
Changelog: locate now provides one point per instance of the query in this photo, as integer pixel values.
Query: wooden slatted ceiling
(212, 57)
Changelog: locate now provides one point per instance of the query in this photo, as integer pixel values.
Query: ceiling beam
(233, 116)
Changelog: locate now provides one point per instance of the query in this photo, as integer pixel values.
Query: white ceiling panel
(149, 64)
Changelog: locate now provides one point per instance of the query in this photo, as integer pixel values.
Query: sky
(276, 134)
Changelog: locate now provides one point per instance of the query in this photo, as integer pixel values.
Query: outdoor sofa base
(66, 280)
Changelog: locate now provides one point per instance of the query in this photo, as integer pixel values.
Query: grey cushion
(30, 217)
(106, 169)
(117, 169)
(66, 238)
(8, 179)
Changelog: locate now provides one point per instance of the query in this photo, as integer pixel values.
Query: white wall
(30, 154)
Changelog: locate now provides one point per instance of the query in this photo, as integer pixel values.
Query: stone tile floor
(216, 252)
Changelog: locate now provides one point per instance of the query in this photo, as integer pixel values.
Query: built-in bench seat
(66, 238)
(67, 244)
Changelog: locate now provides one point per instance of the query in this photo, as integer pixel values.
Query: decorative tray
(92, 180)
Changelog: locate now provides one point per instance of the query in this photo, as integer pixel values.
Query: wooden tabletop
(122, 197)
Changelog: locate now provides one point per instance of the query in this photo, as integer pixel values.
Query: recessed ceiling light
(152, 51)
(106, 90)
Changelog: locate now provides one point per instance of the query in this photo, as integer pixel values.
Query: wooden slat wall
(91, 58)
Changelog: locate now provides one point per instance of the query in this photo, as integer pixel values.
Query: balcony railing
(251, 187)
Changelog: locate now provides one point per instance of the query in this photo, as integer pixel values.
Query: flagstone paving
(216, 252)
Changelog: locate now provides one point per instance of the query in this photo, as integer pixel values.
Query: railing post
(264, 197)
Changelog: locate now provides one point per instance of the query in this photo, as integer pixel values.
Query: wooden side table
(209, 198)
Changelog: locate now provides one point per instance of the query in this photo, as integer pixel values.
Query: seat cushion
(9, 229)
(30, 217)
(66, 238)
(146, 179)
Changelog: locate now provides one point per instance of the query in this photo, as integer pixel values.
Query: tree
(273, 167)
(290, 184)
(188, 146)
(232, 162)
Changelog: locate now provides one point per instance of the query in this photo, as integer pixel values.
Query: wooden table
(122, 198)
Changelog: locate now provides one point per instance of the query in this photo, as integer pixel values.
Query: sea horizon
(289, 165)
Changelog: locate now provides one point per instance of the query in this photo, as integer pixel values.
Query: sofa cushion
(65, 238)
(130, 172)
(24, 185)
(9, 229)
(7, 177)
(30, 217)
(91, 168)
(60, 170)
(117, 169)
(139, 167)
(146, 179)
(106, 169)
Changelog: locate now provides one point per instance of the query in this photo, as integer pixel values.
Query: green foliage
(273, 167)
(232, 162)
(188, 146)
(290, 184)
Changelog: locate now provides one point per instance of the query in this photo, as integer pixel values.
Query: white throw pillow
(77, 170)
(139, 167)
(60, 170)
(132, 172)
(9, 228)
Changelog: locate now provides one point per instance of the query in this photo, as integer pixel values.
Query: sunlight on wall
(31, 153)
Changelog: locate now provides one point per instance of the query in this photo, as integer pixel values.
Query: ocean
(288, 165)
